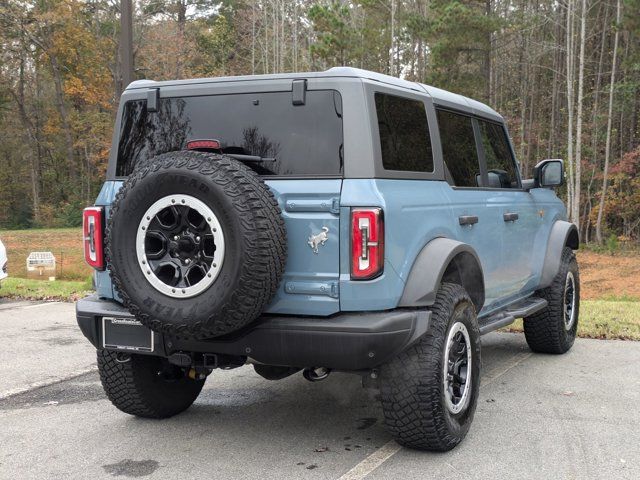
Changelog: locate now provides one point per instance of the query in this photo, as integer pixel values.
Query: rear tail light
(203, 145)
(367, 243)
(93, 237)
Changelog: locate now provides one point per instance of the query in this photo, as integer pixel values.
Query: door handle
(510, 217)
(468, 219)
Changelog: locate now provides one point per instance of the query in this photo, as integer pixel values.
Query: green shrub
(612, 244)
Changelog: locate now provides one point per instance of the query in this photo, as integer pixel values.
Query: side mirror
(546, 174)
(498, 179)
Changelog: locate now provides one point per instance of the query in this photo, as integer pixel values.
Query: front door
(515, 211)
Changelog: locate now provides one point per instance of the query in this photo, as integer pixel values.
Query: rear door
(474, 223)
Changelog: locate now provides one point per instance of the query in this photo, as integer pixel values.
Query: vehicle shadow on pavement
(337, 413)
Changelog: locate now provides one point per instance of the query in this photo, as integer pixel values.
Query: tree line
(565, 74)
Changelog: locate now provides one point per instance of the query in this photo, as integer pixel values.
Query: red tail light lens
(367, 243)
(203, 145)
(93, 237)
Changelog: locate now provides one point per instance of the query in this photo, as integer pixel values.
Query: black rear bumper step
(506, 317)
(346, 341)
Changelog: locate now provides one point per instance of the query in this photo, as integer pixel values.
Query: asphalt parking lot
(539, 416)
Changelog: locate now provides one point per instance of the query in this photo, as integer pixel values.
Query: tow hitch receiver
(206, 361)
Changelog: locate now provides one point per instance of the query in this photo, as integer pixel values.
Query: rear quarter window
(404, 134)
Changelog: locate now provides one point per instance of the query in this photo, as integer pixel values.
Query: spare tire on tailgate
(196, 244)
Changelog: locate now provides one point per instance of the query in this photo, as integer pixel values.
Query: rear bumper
(353, 341)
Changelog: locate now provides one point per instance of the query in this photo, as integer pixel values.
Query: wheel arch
(443, 259)
(563, 234)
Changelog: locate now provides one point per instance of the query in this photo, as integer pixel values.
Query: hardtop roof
(439, 96)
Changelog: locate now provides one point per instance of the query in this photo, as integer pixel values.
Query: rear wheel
(553, 329)
(429, 392)
(146, 386)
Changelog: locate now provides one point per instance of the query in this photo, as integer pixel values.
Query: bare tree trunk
(486, 61)
(274, 23)
(295, 37)
(253, 39)
(266, 39)
(570, 104)
(588, 205)
(577, 186)
(594, 122)
(33, 159)
(524, 89)
(62, 110)
(605, 172)
(126, 46)
(527, 158)
(393, 37)
(181, 20)
(555, 94)
(282, 41)
(554, 106)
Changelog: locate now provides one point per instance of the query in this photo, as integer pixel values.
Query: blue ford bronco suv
(333, 221)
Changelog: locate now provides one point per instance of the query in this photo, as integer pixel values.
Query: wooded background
(565, 74)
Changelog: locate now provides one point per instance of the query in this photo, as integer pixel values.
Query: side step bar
(506, 317)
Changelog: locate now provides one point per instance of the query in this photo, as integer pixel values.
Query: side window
(404, 134)
(459, 149)
(501, 168)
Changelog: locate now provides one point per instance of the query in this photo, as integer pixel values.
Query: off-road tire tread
(266, 252)
(410, 385)
(126, 386)
(544, 330)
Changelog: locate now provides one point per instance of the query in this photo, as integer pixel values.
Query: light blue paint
(312, 279)
(415, 212)
(307, 206)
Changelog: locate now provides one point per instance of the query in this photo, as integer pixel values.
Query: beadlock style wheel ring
(569, 304)
(457, 368)
(180, 246)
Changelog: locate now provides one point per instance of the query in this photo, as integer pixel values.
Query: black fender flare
(439, 259)
(563, 234)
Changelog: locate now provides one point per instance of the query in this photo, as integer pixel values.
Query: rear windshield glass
(303, 139)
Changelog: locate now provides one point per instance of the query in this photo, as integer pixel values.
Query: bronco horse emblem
(318, 240)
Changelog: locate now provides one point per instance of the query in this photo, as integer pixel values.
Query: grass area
(64, 243)
(60, 290)
(604, 319)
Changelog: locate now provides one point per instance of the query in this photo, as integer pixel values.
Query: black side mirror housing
(546, 174)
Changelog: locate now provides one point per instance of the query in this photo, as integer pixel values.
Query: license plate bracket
(126, 334)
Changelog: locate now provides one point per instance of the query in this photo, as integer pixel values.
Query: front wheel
(553, 329)
(146, 386)
(430, 391)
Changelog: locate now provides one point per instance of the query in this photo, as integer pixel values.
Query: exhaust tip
(316, 374)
